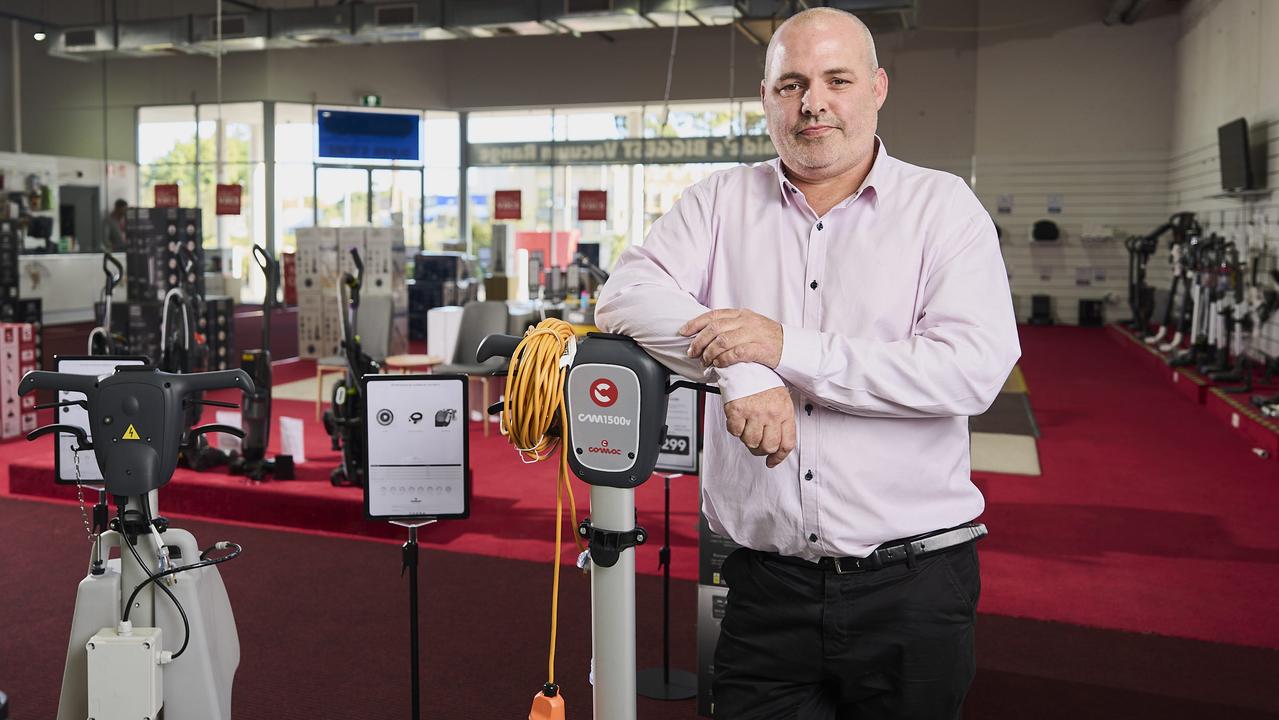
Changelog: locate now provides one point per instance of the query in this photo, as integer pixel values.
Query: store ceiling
(88, 29)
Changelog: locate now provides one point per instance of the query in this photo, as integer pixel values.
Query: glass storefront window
(713, 119)
(598, 123)
(534, 184)
(442, 214)
(442, 142)
(510, 126)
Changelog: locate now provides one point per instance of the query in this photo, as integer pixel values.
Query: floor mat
(1005, 453)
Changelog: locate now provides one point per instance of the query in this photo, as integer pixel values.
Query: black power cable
(186, 624)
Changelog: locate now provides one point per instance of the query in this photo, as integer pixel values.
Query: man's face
(822, 98)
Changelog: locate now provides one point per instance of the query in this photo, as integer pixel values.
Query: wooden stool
(322, 366)
(408, 363)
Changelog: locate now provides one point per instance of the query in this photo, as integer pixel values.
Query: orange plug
(547, 704)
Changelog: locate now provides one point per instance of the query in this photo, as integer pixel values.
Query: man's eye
(839, 81)
(792, 87)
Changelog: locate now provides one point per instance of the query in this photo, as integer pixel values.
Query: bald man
(854, 311)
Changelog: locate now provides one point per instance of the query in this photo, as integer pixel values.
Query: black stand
(409, 556)
(663, 683)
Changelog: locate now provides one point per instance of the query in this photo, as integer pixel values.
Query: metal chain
(79, 491)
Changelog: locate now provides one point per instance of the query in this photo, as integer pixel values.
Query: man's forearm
(652, 314)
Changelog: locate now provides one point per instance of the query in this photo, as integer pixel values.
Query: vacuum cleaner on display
(610, 411)
(101, 340)
(130, 656)
(255, 410)
(345, 420)
(184, 350)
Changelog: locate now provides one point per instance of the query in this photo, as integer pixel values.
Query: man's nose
(814, 101)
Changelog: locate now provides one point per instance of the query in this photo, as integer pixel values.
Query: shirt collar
(874, 179)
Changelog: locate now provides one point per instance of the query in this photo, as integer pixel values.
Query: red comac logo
(603, 392)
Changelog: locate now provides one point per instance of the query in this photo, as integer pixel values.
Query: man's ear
(880, 87)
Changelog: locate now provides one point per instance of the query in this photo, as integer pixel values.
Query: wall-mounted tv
(1236, 165)
(352, 134)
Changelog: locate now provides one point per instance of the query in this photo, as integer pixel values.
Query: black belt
(893, 552)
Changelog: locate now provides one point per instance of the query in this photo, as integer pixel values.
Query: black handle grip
(218, 380)
(497, 346)
(72, 429)
(113, 268)
(46, 380)
(203, 429)
(261, 258)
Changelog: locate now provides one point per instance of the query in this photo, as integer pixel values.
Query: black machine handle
(113, 269)
(271, 269)
(218, 380)
(497, 346)
(81, 437)
(46, 380)
(196, 432)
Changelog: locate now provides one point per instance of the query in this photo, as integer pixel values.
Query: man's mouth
(813, 131)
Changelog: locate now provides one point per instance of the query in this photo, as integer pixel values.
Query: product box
(317, 260)
(712, 598)
(289, 278)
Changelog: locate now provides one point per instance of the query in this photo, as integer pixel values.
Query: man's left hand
(726, 337)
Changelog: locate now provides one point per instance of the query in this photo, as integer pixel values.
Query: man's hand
(764, 422)
(725, 337)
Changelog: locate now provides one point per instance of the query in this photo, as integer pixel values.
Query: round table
(409, 363)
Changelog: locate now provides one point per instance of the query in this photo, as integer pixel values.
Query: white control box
(125, 676)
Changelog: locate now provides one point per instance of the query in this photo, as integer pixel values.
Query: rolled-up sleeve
(657, 287)
(964, 345)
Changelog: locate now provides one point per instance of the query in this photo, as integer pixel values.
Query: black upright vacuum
(255, 408)
(102, 341)
(344, 421)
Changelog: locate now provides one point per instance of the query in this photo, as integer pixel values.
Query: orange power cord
(533, 405)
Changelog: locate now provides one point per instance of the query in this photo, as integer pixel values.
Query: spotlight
(39, 35)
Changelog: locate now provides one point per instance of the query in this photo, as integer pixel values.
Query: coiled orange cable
(533, 406)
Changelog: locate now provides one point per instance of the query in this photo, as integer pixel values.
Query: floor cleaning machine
(255, 409)
(609, 397)
(102, 341)
(344, 421)
(130, 656)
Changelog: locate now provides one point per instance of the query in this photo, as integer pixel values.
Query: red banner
(592, 205)
(506, 205)
(228, 199)
(166, 195)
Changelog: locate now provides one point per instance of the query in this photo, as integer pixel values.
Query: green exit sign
(371, 100)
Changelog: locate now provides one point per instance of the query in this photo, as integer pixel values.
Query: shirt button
(820, 226)
(792, 190)
(808, 475)
(812, 538)
(813, 284)
(808, 408)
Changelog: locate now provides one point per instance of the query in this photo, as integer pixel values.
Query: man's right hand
(764, 422)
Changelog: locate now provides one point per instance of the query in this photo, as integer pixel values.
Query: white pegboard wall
(1251, 222)
(1118, 195)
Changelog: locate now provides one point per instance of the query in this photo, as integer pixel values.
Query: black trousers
(802, 643)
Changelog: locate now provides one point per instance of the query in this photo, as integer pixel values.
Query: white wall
(1227, 66)
(1079, 110)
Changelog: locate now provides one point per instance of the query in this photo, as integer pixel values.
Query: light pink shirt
(897, 323)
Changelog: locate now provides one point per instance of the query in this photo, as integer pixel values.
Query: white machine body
(125, 678)
(196, 685)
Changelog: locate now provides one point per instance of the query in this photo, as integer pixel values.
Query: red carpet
(484, 623)
(1151, 515)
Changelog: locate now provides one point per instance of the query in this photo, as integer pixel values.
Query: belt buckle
(861, 565)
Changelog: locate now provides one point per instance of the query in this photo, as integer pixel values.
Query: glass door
(397, 201)
(342, 196)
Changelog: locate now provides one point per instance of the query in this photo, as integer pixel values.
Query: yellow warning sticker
(130, 434)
